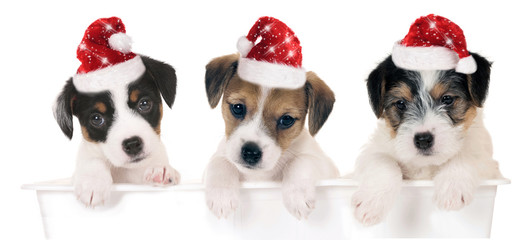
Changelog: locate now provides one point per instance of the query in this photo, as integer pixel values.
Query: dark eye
(447, 100)
(401, 105)
(285, 122)
(238, 110)
(144, 105)
(96, 120)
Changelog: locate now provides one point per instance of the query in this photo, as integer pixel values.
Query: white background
(342, 42)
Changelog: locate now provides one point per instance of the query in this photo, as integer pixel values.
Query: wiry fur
(102, 158)
(290, 155)
(461, 153)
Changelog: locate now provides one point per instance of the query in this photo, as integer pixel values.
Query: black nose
(251, 153)
(132, 146)
(423, 140)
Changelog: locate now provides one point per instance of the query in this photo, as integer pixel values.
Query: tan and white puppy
(266, 139)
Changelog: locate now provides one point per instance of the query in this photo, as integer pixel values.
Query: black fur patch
(84, 108)
(146, 90)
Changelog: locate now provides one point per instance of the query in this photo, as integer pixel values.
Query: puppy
(119, 108)
(430, 127)
(266, 139)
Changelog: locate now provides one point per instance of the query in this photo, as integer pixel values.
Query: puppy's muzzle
(251, 153)
(132, 146)
(423, 141)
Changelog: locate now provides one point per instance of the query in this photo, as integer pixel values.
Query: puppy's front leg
(455, 183)
(222, 187)
(299, 179)
(380, 180)
(92, 178)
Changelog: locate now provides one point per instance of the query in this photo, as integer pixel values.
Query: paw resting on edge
(222, 201)
(160, 176)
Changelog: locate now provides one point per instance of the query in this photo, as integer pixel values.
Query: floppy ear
(218, 73)
(164, 78)
(63, 109)
(478, 82)
(376, 84)
(321, 100)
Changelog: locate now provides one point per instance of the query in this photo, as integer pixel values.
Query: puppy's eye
(96, 120)
(285, 122)
(401, 105)
(447, 100)
(238, 110)
(145, 105)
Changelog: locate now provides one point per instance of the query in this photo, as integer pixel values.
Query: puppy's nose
(251, 153)
(132, 146)
(423, 140)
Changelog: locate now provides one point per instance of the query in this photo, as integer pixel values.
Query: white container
(180, 212)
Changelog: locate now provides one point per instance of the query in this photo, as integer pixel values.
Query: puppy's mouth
(139, 158)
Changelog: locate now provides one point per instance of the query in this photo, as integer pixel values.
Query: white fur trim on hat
(120, 42)
(467, 65)
(430, 58)
(272, 75)
(118, 75)
(244, 46)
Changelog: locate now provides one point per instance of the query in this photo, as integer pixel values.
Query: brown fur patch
(393, 130)
(134, 95)
(402, 91)
(439, 90)
(469, 117)
(281, 102)
(101, 107)
(157, 129)
(86, 136)
(239, 91)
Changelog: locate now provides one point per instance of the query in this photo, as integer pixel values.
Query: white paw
(161, 176)
(371, 208)
(452, 194)
(299, 199)
(222, 201)
(93, 191)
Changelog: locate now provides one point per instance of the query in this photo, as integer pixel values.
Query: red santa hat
(275, 60)
(106, 57)
(434, 43)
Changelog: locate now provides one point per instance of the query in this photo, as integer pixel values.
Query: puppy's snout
(251, 153)
(132, 146)
(423, 140)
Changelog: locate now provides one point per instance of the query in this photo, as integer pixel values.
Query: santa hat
(434, 43)
(106, 57)
(274, 61)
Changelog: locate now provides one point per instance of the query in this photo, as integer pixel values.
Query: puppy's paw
(222, 201)
(370, 208)
(93, 191)
(299, 199)
(452, 195)
(160, 176)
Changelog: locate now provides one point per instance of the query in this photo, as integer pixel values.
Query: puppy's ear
(218, 73)
(164, 77)
(376, 85)
(63, 109)
(478, 82)
(321, 100)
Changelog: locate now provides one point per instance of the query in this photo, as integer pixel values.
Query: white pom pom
(466, 65)
(244, 46)
(120, 42)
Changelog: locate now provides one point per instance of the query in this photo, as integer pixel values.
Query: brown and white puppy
(266, 139)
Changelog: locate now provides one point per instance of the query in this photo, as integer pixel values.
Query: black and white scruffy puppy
(266, 96)
(428, 96)
(116, 97)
